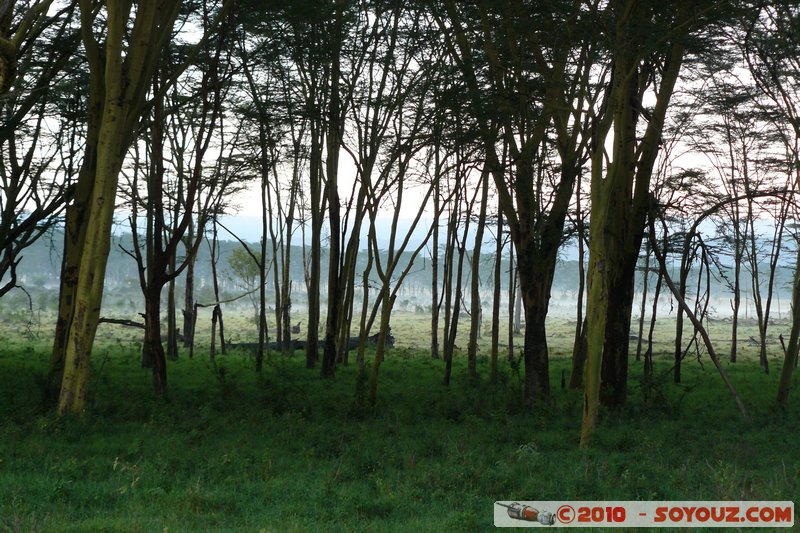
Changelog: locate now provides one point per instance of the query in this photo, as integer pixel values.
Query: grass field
(291, 452)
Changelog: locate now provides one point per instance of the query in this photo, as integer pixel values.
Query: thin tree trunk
(498, 271)
(475, 296)
(648, 354)
(518, 303)
(262, 263)
(217, 314)
(579, 344)
(435, 262)
(643, 306)
(172, 324)
(683, 277)
(737, 292)
(188, 292)
(512, 290)
(312, 335)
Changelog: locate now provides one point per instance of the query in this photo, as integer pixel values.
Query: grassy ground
(291, 452)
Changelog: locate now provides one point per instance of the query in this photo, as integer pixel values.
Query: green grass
(292, 452)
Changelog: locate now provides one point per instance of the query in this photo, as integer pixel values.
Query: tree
(475, 296)
(620, 180)
(535, 64)
(122, 48)
(30, 201)
(772, 52)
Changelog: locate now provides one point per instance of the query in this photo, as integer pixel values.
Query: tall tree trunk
(74, 235)
(498, 271)
(312, 335)
(579, 344)
(266, 212)
(475, 296)
(188, 291)
(451, 292)
(91, 268)
(737, 290)
(118, 83)
(620, 198)
(452, 329)
(286, 263)
(435, 258)
(333, 144)
(512, 292)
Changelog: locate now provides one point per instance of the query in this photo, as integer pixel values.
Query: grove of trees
(647, 133)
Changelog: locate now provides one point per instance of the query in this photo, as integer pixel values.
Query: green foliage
(291, 453)
(244, 266)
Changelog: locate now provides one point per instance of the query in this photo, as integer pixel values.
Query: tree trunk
(188, 293)
(386, 310)
(579, 344)
(518, 303)
(172, 321)
(74, 235)
(737, 294)
(512, 290)
(790, 358)
(153, 348)
(217, 315)
(614, 392)
(475, 296)
(683, 278)
(643, 306)
(498, 270)
(620, 198)
(315, 166)
(91, 267)
(648, 354)
(435, 264)
(538, 262)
